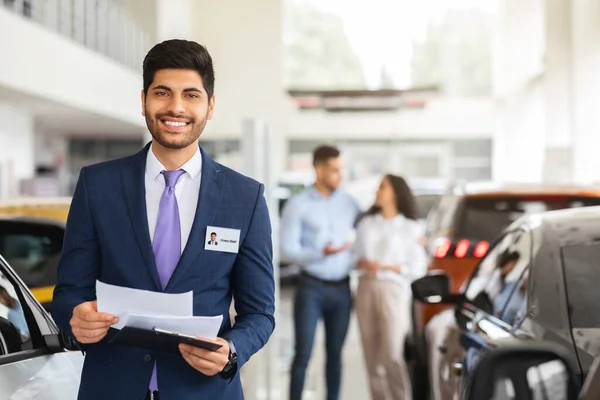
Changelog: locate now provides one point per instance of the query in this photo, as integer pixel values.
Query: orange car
(468, 217)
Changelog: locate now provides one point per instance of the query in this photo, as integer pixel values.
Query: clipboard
(160, 340)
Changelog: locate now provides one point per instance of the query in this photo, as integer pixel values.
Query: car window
(582, 277)
(32, 250)
(442, 212)
(15, 329)
(499, 272)
(481, 218)
(516, 306)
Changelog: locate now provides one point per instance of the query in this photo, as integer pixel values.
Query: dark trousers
(315, 300)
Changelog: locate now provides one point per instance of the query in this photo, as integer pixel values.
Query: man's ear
(143, 103)
(211, 107)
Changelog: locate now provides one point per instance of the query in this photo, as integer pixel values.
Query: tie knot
(171, 177)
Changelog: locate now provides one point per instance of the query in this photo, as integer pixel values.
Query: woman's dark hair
(179, 54)
(405, 201)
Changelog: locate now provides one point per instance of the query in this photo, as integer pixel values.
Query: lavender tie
(167, 238)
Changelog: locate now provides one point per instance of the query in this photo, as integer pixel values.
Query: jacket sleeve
(79, 264)
(254, 286)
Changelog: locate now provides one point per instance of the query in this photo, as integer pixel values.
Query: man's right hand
(330, 250)
(88, 325)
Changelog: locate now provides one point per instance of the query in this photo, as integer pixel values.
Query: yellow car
(31, 239)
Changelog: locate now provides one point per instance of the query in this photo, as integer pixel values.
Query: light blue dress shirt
(309, 222)
(17, 317)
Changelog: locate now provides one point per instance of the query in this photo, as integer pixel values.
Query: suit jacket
(107, 238)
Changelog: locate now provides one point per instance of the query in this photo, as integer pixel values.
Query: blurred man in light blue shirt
(15, 313)
(315, 234)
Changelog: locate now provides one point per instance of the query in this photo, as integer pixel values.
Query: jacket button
(147, 357)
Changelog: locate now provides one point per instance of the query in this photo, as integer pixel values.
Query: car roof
(490, 189)
(573, 226)
(576, 226)
(31, 220)
(35, 201)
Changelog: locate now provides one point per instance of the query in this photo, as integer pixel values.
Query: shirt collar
(397, 220)
(318, 195)
(193, 166)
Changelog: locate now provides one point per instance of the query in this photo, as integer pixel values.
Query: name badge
(222, 239)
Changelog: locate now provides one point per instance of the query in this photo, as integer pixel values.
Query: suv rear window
(483, 218)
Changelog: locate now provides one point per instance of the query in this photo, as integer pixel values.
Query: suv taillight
(463, 248)
(442, 248)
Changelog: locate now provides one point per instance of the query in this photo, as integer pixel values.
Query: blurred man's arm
(291, 236)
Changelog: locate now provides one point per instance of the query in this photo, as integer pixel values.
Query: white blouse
(392, 242)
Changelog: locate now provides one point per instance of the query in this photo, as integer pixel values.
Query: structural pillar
(586, 88)
(559, 99)
(260, 375)
(518, 86)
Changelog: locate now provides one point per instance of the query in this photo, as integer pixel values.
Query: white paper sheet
(119, 301)
(205, 327)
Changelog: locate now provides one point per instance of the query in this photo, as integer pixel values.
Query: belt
(325, 281)
(152, 395)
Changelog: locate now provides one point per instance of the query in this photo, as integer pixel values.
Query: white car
(36, 360)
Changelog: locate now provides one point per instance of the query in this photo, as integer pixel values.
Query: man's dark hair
(213, 233)
(507, 257)
(179, 54)
(322, 154)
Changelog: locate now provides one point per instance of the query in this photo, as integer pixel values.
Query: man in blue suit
(141, 222)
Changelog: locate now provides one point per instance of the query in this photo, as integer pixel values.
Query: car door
(491, 310)
(33, 249)
(479, 319)
(33, 361)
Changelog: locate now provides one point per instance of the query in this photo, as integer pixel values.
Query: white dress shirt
(187, 192)
(392, 242)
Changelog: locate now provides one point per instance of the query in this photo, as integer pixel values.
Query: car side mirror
(536, 370)
(434, 288)
(10, 338)
(67, 341)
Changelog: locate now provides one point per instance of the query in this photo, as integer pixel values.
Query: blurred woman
(390, 256)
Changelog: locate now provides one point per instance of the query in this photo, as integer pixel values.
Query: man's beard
(184, 139)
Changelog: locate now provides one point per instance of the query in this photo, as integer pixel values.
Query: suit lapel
(135, 192)
(208, 201)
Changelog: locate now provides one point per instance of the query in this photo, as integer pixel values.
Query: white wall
(46, 65)
(442, 118)
(17, 149)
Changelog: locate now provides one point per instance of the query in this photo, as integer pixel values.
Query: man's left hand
(207, 362)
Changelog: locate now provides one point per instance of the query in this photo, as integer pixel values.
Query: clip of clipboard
(157, 339)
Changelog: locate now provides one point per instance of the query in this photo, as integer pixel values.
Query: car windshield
(482, 218)
(582, 277)
(425, 203)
